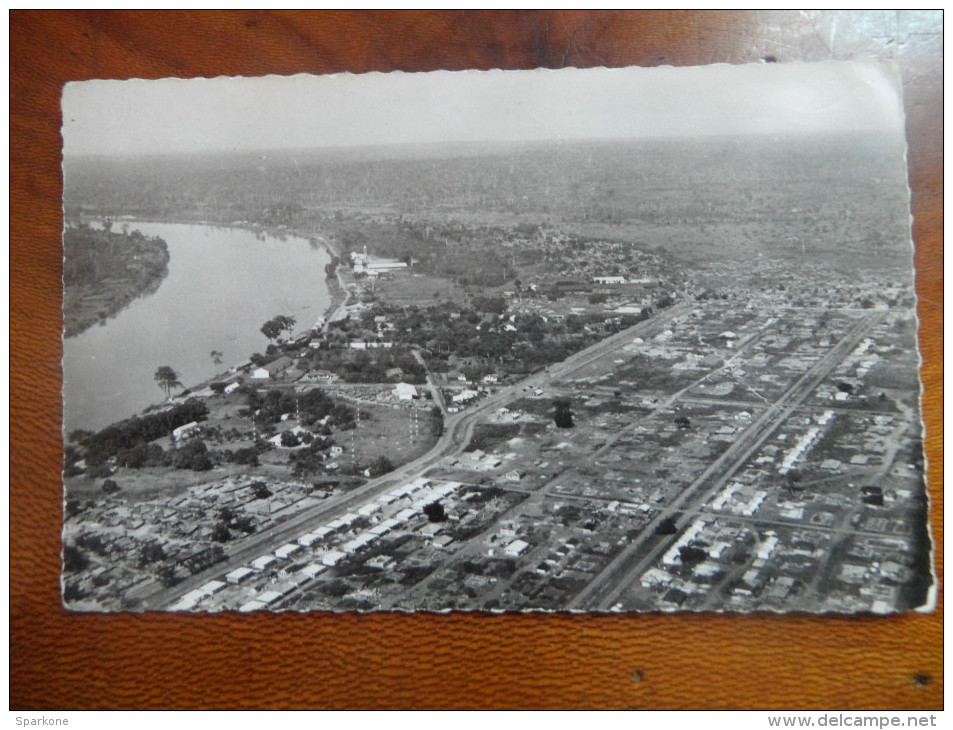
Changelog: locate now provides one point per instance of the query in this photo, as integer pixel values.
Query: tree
(165, 574)
(273, 328)
(691, 556)
(666, 527)
(74, 559)
(289, 439)
(167, 379)
(380, 466)
(151, 552)
(245, 523)
(793, 481)
(192, 455)
(563, 413)
(260, 490)
(435, 512)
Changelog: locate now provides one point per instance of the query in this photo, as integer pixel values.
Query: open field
(418, 290)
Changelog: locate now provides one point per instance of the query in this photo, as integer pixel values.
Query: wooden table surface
(324, 661)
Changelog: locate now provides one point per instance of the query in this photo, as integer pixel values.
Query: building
(515, 548)
(239, 574)
(465, 396)
(262, 562)
(405, 391)
(189, 430)
(286, 551)
(273, 369)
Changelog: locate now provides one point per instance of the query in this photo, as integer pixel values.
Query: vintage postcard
(578, 340)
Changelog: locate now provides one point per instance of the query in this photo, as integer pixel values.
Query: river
(222, 285)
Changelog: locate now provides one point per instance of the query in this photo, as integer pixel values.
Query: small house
(189, 430)
(238, 575)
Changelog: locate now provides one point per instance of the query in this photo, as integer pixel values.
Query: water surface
(223, 284)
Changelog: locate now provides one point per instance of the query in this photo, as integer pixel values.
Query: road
(603, 591)
(457, 434)
(432, 383)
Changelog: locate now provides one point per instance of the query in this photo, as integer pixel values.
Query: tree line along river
(222, 285)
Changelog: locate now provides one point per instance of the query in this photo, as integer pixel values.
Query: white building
(263, 562)
(185, 432)
(286, 551)
(516, 548)
(465, 396)
(405, 391)
(239, 574)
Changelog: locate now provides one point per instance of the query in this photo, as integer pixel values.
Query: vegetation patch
(486, 436)
(104, 271)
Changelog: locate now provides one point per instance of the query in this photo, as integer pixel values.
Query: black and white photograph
(586, 340)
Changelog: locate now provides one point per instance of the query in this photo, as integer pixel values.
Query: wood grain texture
(324, 661)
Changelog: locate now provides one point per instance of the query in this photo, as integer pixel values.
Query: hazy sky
(274, 112)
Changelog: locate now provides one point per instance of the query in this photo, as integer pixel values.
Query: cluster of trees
(282, 213)
(91, 255)
(436, 421)
(369, 366)
(311, 460)
(193, 454)
(134, 434)
(379, 467)
(229, 521)
(469, 256)
(310, 406)
(104, 271)
(474, 331)
(202, 560)
(247, 456)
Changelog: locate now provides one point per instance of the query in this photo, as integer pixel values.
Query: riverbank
(340, 294)
(104, 272)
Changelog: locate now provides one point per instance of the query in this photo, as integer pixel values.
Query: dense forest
(103, 271)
